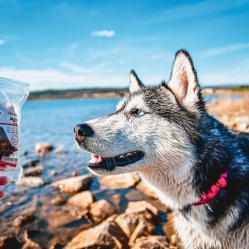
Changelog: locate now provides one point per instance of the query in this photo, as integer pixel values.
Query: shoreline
(118, 95)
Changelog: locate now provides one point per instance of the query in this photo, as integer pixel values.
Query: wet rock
(75, 173)
(9, 242)
(24, 219)
(42, 148)
(53, 173)
(58, 200)
(144, 208)
(73, 185)
(151, 242)
(144, 228)
(106, 235)
(144, 188)
(31, 245)
(128, 222)
(34, 171)
(30, 163)
(120, 181)
(83, 199)
(101, 210)
(31, 181)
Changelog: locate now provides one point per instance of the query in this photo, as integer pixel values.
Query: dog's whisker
(73, 147)
(80, 153)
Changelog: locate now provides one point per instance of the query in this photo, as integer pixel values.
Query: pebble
(42, 148)
(31, 181)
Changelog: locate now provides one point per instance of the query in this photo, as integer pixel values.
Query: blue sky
(74, 44)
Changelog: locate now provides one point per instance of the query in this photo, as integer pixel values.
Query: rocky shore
(51, 211)
(94, 222)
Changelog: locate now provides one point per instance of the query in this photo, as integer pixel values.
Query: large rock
(144, 188)
(42, 148)
(121, 181)
(143, 208)
(31, 181)
(34, 171)
(101, 210)
(9, 242)
(106, 235)
(83, 199)
(128, 222)
(73, 185)
(24, 219)
(151, 242)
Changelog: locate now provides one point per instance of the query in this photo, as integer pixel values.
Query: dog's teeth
(99, 159)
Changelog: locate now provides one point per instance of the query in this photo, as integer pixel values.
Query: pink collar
(214, 190)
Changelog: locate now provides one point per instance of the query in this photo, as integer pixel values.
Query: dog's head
(152, 127)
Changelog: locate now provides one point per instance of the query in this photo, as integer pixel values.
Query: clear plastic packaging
(13, 94)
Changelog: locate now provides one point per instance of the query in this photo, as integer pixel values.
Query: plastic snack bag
(13, 94)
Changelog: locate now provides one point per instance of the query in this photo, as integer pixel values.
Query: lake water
(53, 121)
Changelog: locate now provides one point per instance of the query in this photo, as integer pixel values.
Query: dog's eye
(138, 112)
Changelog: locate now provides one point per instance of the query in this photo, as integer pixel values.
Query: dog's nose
(81, 131)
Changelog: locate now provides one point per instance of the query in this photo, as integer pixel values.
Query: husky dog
(196, 165)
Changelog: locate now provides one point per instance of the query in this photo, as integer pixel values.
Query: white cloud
(56, 79)
(103, 33)
(2, 41)
(224, 50)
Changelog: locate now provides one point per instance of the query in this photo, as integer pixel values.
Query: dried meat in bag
(12, 96)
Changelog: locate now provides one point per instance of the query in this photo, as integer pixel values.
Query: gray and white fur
(180, 151)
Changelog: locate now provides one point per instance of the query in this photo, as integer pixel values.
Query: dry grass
(230, 107)
(234, 113)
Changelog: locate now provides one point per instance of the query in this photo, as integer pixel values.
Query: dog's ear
(183, 81)
(135, 83)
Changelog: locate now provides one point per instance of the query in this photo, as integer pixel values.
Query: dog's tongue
(95, 159)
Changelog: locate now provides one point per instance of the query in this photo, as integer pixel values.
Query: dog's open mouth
(109, 163)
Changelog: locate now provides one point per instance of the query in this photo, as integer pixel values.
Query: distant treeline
(111, 92)
(78, 93)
